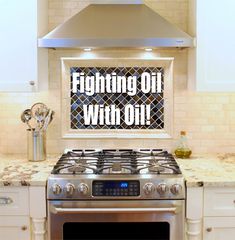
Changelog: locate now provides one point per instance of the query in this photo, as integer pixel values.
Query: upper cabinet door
(212, 63)
(21, 61)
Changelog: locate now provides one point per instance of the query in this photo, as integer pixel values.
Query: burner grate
(110, 161)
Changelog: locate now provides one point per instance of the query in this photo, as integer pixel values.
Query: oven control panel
(116, 188)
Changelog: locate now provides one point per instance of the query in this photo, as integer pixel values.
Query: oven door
(119, 220)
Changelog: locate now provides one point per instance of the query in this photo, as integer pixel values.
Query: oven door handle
(56, 210)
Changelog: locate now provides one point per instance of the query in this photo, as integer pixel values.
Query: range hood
(116, 25)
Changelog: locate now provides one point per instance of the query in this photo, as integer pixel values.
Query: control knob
(162, 188)
(149, 188)
(176, 189)
(56, 189)
(69, 188)
(83, 188)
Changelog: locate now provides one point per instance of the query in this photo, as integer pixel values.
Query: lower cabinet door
(219, 228)
(14, 228)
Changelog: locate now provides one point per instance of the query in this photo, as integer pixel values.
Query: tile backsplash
(155, 100)
(208, 118)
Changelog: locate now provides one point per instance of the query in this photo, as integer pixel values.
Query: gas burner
(155, 167)
(163, 166)
(114, 162)
(117, 167)
(77, 168)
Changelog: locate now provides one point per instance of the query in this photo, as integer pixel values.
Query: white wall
(207, 117)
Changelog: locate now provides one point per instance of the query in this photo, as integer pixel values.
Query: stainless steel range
(116, 194)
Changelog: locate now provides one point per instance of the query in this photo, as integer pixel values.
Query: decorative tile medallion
(155, 100)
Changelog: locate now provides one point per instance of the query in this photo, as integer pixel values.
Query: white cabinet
(23, 213)
(211, 63)
(219, 214)
(210, 213)
(14, 201)
(14, 213)
(23, 65)
(15, 228)
(219, 202)
(222, 228)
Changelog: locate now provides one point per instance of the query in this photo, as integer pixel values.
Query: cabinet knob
(24, 228)
(32, 83)
(209, 229)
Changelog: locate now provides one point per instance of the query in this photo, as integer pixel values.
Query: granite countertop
(209, 170)
(16, 170)
(203, 170)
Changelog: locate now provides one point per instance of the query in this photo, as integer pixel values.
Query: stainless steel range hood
(116, 25)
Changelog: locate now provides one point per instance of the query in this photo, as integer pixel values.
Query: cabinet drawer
(14, 228)
(14, 201)
(219, 202)
(219, 228)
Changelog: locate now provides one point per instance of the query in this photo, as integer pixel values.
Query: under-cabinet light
(87, 49)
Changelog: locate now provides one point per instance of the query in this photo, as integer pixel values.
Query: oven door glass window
(116, 231)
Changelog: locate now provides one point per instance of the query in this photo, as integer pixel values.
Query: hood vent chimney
(116, 25)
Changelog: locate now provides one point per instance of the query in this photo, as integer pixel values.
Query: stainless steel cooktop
(116, 174)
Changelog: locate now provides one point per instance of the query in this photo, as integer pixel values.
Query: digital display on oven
(124, 185)
(116, 188)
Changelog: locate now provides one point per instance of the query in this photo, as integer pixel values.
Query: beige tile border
(68, 133)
